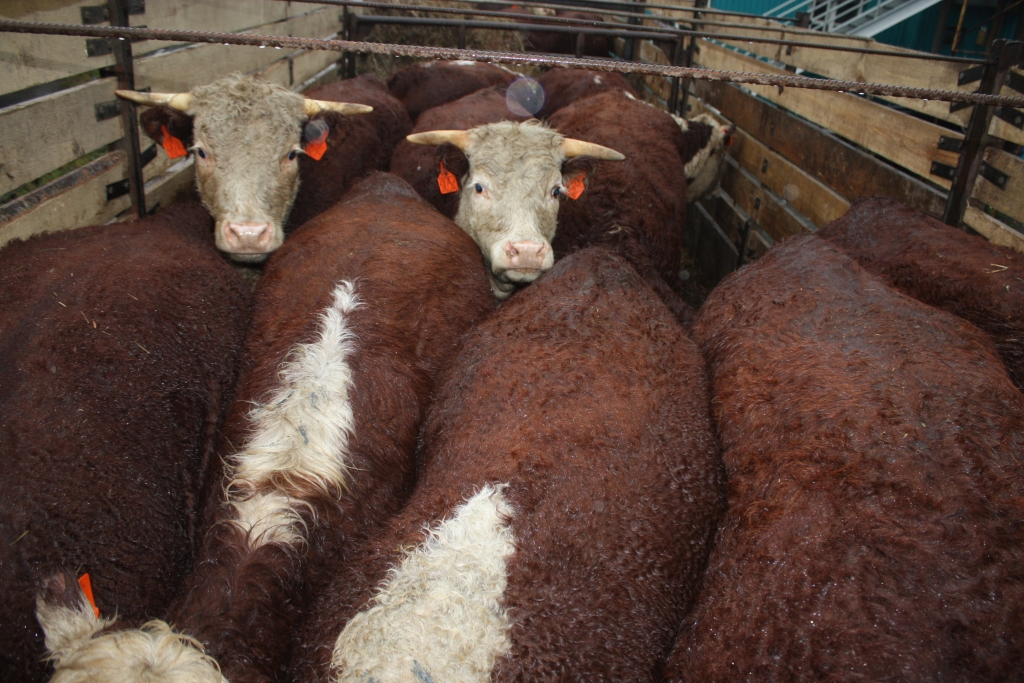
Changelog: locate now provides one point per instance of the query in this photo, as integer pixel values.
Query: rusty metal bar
(7, 25)
(124, 68)
(501, 26)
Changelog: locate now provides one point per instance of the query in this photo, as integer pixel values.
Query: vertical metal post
(632, 54)
(1006, 54)
(673, 98)
(125, 70)
(580, 38)
(462, 36)
(348, 25)
(688, 59)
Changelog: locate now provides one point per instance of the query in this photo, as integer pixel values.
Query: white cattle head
(511, 178)
(705, 168)
(246, 135)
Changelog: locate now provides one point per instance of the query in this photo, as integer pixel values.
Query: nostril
(511, 251)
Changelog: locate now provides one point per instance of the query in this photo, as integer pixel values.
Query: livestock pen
(801, 154)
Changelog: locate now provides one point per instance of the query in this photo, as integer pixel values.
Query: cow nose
(526, 254)
(247, 237)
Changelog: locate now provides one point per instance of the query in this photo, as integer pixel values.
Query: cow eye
(479, 188)
(556, 192)
(292, 154)
(201, 152)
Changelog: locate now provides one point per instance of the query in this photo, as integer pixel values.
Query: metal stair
(853, 17)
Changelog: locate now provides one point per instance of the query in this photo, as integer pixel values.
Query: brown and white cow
(561, 533)
(509, 179)
(425, 85)
(247, 136)
(354, 316)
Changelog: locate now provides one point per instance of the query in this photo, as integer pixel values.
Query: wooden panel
(73, 201)
(994, 230)
(52, 131)
(1004, 129)
(901, 138)
(27, 60)
(1011, 199)
(864, 68)
(847, 170)
(712, 250)
(309, 63)
(179, 70)
(172, 186)
(769, 210)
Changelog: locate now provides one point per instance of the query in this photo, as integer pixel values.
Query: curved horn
(179, 101)
(459, 138)
(578, 148)
(314, 107)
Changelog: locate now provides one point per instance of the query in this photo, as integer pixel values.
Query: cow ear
(454, 159)
(165, 124)
(576, 174)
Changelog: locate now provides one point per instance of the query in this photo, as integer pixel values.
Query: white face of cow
(509, 201)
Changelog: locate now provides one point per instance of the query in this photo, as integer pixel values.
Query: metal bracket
(98, 47)
(957, 106)
(948, 144)
(108, 110)
(943, 170)
(1014, 117)
(993, 175)
(97, 14)
(148, 156)
(970, 75)
(118, 189)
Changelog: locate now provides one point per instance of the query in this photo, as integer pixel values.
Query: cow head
(246, 136)
(511, 178)
(705, 169)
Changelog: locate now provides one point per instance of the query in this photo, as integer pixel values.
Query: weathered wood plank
(901, 138)
(179, 70)
(712, 250)
(1003, 129)
(993, 229)
(769, 210)
(1009, 200)
(49, 132)
(73, 201)
(172, 186)
(847, 170)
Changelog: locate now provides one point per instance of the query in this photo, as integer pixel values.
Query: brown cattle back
(425, 85)
(942, 266)
(119, 347)
(874, 449)
(562, 87)
(356, 145)
(582, 406)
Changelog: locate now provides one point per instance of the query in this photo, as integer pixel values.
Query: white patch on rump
(299, 444)
(154, 654)
(439, 615)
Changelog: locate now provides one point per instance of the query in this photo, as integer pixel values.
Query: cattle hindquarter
(567, 497)
(873, 447)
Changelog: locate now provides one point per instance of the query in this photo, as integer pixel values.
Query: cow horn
(314, 107)
(179, 101)
(459, 138)
(578, 148)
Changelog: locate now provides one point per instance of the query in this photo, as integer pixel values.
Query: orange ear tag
(576, 187)
(446, 181)
(316, 148)
(173, 147)
(84, 580)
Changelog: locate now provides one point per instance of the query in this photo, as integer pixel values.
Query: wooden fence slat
(849, 171)
(717, 254)
(993, 229)
(772, 213)
(1004, 129)
(180, 70)
(72, 201)
(901, 138)
(1009, 200)
(49, 132)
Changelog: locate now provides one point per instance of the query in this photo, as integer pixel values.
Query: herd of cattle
(466, 428)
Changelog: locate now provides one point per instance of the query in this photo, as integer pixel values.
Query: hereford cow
(248, 137)
(425, 85)
(119, 346)
(874, 449)
(637, 207)
(939, 265)
(501, 180)
(354, 315)
(557, 535)
(562, 87)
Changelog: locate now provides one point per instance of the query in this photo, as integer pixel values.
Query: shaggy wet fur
(417, 164)
(942, 266)
(119, 347)
(425, 85)
(874, 449)
(420, 283)
(356, 147)
(635, 207)
(586, 398)
(562, 87)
